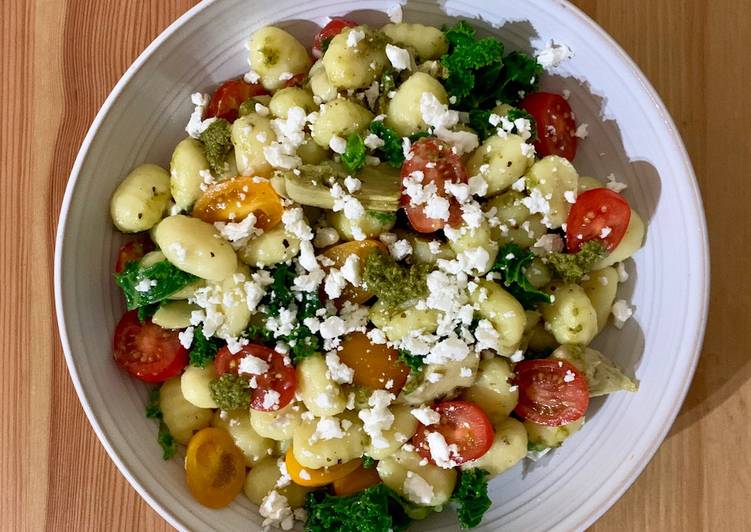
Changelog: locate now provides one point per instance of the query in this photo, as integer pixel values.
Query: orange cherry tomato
(339, 254)
(303, 476)
(235, 198)
(375, 365)
(360, 479)
(214, 467)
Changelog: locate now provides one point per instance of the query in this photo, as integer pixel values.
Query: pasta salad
(368, 282)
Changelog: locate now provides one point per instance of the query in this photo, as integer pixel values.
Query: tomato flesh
(214, 467)
(463, 424)
(133, 251)
(556, 127)
(328, 32)
(360, 479)
(598, 214)
(339, 254)
(280, 378)
(552, 392)
(236, 198)
(375, 366)
(147, 351)
(226, 100)
(432, 159)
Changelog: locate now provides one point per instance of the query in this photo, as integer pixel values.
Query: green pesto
(571, 267)
(217, 143)
(230, 392)
(270, 56)
(393, 283)
(248, 106)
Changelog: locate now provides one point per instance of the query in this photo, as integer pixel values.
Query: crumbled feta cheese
(337, 370)
(465, 372)
(352, 184)
(486, 336)
(144, 285)
(551, 243)
(416, 489)
(622, 273)
(238, 233)
(621, 313)
(276, 511)
(270, 399)
(437, 207)
(294, 222)
(451, 348)
(355, 36)
(517, 356)
(570, 196)
(351, 270)
(441, 451)
(186, 337)
(332, 327)
(400, 249)
(261, 109)
(377, 418)
(399, 57)
(478, 186)
(335, 283)
(338, 144)
(373, 141)
(536, 203)
(196, 124)
(325, 237)
(395, 13)
(426, 415)
(605, 231)
(252, 365)
(290, 134)
(252, 76)
(582, 131)
(351, 206)
(328, 428)
(570, 376)
(519, 185)
(377, 336)
(553, 55)
(615, 185)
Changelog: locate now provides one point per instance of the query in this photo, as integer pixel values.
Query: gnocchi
(276, 56)
(140, 201)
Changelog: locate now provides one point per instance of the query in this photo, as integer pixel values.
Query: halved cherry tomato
(280, 377)
(317, 477)
(133, 251)
(226, 100)
(360, 479)
(463, 424)
(551, 392)
(214, 467)
(235, 198)
(598, 214)
(339, 254)
(147, 351)
(556, 127)
(328, 32)
(438, 165)
(375, 365)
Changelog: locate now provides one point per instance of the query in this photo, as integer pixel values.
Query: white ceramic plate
(631, 135)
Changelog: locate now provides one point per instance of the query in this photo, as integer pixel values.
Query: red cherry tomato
(551, 392)
(438, 165)
(556, 127)
(147, 351)
(280, 378)
(463, 424)
(598, 214)
(132, 251)
(226, 100)
(328, 32)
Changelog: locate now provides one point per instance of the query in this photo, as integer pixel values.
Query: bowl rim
(664, 116)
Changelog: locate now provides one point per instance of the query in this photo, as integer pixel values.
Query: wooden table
(60, 58)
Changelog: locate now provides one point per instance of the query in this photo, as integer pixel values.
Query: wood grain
(58, 61)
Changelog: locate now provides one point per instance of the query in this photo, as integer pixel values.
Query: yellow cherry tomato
(376, 366)
(356, 481)
(339, 254)
(234, 199)
(214, 467)
(304, 476)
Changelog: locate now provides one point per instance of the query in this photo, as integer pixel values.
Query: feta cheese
(486, 336)
(550, 243)
(332, 327)
(416, 489)
(451, 348)
(338, 144)
(352, 184)
(582, 131)
(373, 141)
(615, 185)
(276, 511)
(351, 270)
(354, 37)
(144, 285)
(294, 222)
(238, 233)
(622, 273)
(328, 428)
(553, 55)
(337, 370)
(400, 249)
(270, 399)
(477, 185)
(377, 418)
(335, 283)
(426, 415)
(325, 237)
(186, 337)
(621, 313)
(399, 57)
(196, 123)
(570, 196)
(441, 451)
(252, 365)
(307, 258)
(395, 13)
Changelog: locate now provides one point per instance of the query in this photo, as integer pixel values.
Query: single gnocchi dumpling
(503, 311)
(508, 448)
(264, 477)
(501, 161)
(188, 167)
(327, 441)
(355, 66)
(492, 390)
(140, 201)
(285, 99)
(272, 247)
(428, 42)
(250, 135)
(182, 417)
(320, 394)
(253, 446)
(553, 184)
(420, 483)
(276, 56)
(339, 118)
(629, 244)
(571, 318)
(404, 113)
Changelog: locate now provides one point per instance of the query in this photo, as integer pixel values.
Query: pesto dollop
(230, 392)
(217, 143)
(571, 267)
(394, 283)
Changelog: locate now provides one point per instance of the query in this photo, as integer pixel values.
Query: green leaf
(353, 157)
(152, 407)
(511, 262)
(479, 120)
(368, 462)
(161, 279)
(415, 362)
(383, 217)
(376, 509)
(164, 438)
(203, 350)
(471, 497)
(279, 294)
(217, 143)
(147, 311)
(391, 151)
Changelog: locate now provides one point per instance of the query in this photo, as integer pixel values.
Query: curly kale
(353, 157)
(163, 438)
(375, 509)
(471, 497)
(203, 350)
(511, 262)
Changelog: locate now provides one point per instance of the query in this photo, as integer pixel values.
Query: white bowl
(631, 135)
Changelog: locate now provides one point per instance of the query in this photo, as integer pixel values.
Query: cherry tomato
(328, 32)
(339, 253)
(360, 479)
(226, 100)
(280, 377)
(551, 392)
(235, 198)
(375, 365)
(147, 351)
(438, 165)
(214, 467)
(317, 477)
(598, 214)
(463, 424)
(556, 127)
(133, 251)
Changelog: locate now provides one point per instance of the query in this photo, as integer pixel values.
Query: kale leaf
(203, 350)
(479, 120)
(353, 157)
(414, 362)
(383, 217)
(147, 311)
(511, 262)
(471, 497)
(368, 462)
(161, 280)
(164, 438)
(391, 151)
(279, 294)
(375, 509)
